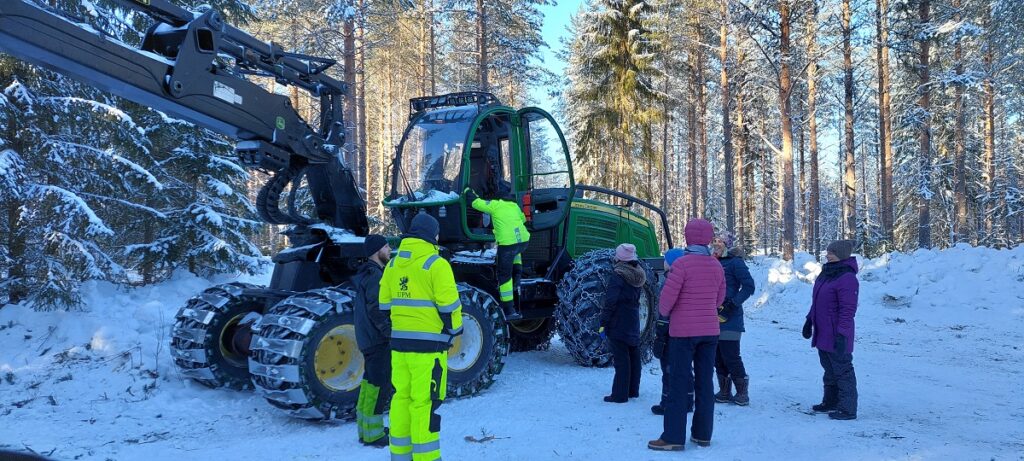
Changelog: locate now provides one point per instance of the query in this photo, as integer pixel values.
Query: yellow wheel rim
(467, 347)
(225, 351)
(337, 361)
(527, 326)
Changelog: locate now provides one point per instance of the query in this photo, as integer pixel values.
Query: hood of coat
(413, 250)
(698, 232)
(631, 272)
(833, 270)
(370, 266)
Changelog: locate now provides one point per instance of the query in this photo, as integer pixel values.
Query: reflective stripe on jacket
(419, 290)
(507, 218)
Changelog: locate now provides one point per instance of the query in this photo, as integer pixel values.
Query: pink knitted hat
(625, 252)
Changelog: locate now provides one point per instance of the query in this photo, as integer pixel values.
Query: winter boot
(700, 443)
(725, 389)
(661, 445)
(658, 409)
(511, 311)
(741, 398)
(829, 401)
(842, 415)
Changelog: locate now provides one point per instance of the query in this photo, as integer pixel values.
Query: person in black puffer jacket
(620, 322)
(739, 285)
(373, 331)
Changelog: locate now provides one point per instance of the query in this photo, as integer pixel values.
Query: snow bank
(939, 358)
(433, 196)
(475, 257)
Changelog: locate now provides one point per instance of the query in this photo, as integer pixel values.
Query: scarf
(832, 271)
(697, 250)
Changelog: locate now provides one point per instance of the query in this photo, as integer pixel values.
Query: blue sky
(556, 21)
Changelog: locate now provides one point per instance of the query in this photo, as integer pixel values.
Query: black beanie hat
(841, 248)
(372, 244)
(424, 227)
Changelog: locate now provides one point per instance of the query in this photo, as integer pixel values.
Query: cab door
(489, 166)
(545, 173)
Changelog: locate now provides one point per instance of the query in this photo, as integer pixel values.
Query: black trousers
(840, 376)
(377, 371)
(509, 268)
(728, 360)
(626, 359)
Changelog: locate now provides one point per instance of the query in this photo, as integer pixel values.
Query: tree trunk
(804, 227)
(884, 118)
(360, 94)
(664, 148)
(702, 141)
(16, 249)
(850, 173)
(960, 164)
(786, 115)
(812, 127)
(989, 164)
(349, 74)
(743, 225)
(481, 45)
(730, 201)
(924, 237)
(433, 49)
(691, 140)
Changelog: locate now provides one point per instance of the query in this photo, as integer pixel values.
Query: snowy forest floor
(939, 359)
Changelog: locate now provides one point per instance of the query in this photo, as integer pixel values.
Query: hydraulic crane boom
(184, 68)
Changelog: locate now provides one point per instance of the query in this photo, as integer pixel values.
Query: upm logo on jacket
(403, 287)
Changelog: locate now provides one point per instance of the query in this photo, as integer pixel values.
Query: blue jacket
(739, 286)
(621, 314)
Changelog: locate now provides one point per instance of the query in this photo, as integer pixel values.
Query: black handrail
(630, 200)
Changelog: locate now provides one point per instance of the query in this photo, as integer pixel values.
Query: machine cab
(470, 140)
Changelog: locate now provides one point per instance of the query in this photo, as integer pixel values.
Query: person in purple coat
(830, 327)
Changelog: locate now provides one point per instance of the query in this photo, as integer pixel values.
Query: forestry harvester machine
(294, 341)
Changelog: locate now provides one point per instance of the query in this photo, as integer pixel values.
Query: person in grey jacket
(373, 330)
(739, 285)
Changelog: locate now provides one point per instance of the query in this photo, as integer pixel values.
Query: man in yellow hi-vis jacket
(512, 238)
(419, 290)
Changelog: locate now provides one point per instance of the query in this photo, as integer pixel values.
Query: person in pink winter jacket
(690, 298)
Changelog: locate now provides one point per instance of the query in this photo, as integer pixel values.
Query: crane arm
(179, 69)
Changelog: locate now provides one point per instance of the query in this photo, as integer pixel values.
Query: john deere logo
(403, 284)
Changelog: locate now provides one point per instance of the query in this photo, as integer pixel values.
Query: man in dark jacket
(830, 328)
(620, 322)
(739, 285)
(373, 328)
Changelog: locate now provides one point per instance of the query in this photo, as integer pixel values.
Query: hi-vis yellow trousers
(420, 380)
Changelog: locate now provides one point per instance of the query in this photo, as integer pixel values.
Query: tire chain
(581, 298)
(297, 398)
(499, 350)
(213, 301)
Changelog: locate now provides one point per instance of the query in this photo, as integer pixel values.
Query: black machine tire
(472, 371)
(531, 334)
(581, 298)
(286, 351)
(200, 330)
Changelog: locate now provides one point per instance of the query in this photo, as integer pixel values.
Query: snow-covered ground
(939, 359)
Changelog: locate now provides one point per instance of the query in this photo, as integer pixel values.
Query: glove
(722, 316)
(470, 194)
(452, 335)
(840, 344)
(807, 329)
(600, 331)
